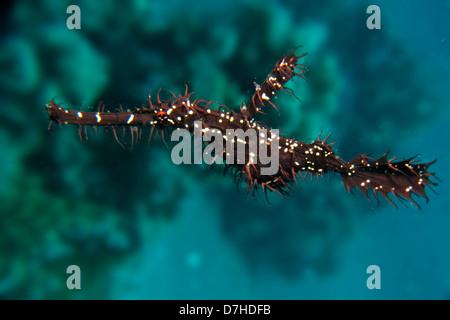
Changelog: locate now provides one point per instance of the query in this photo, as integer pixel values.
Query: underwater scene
(95, 211)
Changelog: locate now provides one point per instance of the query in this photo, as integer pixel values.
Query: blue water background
(140, 227)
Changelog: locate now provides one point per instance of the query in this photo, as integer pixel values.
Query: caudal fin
(401, 178)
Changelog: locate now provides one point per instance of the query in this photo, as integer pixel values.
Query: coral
(42, 234)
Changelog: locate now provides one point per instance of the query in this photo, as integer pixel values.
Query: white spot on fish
(130, 118)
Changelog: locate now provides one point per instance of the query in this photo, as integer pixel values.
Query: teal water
(140, 227)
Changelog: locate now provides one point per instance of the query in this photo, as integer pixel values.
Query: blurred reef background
(140, 227)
